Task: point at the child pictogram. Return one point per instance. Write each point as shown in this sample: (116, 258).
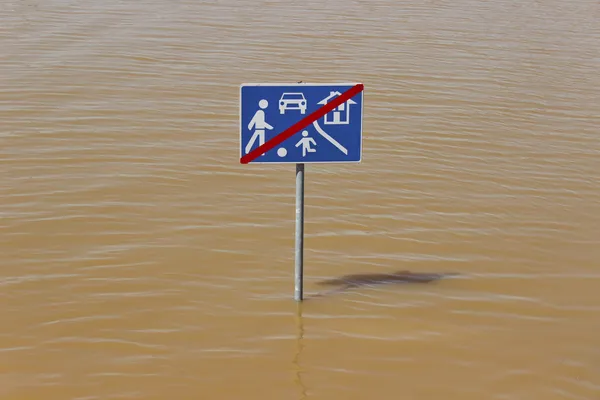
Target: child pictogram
(305, 143)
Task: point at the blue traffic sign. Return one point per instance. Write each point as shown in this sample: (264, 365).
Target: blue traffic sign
(268, 109)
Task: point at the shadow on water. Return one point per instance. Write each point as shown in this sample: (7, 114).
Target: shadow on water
(348, 282)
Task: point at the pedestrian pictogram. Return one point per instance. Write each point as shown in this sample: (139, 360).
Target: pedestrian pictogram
(258, 125)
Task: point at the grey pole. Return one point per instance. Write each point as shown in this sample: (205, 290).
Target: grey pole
(299, 272)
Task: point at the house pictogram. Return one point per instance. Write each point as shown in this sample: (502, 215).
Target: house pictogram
(339, 115)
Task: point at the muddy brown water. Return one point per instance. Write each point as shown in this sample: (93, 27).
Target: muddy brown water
(139, 259)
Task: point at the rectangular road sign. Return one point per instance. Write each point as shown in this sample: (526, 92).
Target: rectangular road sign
(301, 123)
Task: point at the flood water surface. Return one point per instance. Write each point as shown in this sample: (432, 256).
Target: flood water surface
(140, 259)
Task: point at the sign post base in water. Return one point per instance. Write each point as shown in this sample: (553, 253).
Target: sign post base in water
(299, 270)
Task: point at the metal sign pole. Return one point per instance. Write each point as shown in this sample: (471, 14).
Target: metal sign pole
(299, 271)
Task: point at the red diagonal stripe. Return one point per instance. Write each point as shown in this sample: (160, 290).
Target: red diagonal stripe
(303, 123)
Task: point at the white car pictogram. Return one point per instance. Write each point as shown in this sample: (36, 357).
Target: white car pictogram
(290, 99)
